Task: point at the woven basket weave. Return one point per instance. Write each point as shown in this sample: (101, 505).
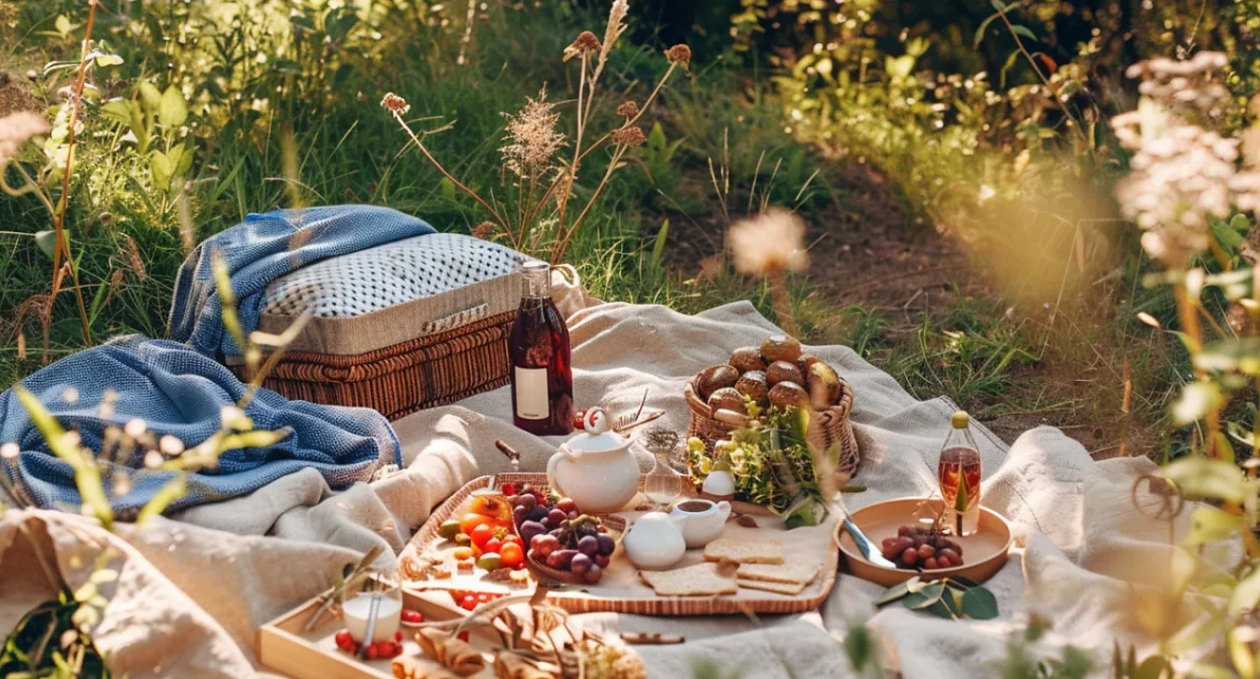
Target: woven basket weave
(422, 373)
(827, 428)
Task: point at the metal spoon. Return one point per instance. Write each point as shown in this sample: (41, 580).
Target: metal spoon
(373, 609)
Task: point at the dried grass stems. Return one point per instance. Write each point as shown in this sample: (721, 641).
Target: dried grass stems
(15, 130)
(542, 219)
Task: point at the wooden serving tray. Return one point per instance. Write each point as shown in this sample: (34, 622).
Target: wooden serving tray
(284, 645)
(621, 590)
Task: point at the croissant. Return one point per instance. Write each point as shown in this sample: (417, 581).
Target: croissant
(457, 656)
(416, 668)
(512, 666)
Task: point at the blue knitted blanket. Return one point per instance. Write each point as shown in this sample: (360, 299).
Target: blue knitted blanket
(264, 248)
(180, 392)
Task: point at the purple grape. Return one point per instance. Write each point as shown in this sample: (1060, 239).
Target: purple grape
(593, 574)
(520, 514)
(531, 528)
(588, 545)
(607, 545)
(580, 564)
(546, 523)
(602, 560)
(537, 513)
(557, 516)
(529, 502)
(561, 558)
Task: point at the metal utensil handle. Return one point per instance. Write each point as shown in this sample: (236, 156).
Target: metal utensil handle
(373, 610)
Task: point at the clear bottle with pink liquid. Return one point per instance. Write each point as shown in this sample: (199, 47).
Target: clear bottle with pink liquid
(959, 474)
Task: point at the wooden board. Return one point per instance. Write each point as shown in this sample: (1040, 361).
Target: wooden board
(284, 645)
(621, 589)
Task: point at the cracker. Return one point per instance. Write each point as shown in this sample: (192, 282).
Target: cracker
(745, 551)
(791, 573)
(699, 580)
(787, 588)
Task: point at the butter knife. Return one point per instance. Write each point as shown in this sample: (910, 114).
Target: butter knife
(869, 552)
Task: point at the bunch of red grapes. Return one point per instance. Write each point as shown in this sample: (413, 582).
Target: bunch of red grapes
(561, 537)
(922, 549)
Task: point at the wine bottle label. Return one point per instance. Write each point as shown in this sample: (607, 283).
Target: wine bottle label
(532, 402)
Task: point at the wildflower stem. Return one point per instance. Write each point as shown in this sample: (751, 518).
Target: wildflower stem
(62, 246)
(29, 186)
(1189, 317)
(635, 119)
(557, 252)
(1079, 126)
(458, 184)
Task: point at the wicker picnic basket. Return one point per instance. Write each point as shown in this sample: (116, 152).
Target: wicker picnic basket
(827, 428)
(408, 325)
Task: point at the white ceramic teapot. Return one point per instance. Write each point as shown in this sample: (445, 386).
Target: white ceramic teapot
(654, 542)
(596, 467)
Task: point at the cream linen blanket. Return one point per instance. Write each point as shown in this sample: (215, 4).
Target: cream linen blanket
(193, 591)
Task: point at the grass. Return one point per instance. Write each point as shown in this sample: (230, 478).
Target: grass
(302, 126)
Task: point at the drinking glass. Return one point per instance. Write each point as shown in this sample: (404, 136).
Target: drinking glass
(959, 474)
(662, 484)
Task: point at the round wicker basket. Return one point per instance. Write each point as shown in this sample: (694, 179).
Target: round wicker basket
(827, 428)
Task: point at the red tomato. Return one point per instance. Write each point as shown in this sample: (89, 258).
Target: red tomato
(509, 489)
(513, 540)
(468, 603)
(492, 545)
(470, 522)
(482, 535)
(511, 555)
(482, 598)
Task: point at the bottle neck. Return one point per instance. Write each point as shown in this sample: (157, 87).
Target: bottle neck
(537, 280)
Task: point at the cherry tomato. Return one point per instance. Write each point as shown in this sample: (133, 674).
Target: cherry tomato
(463, 636)
(509, 489)
(468, 603)
(482, 535)
(482, 598)
(511, 554)
(492, 545)
(471, 521)
(513, 540)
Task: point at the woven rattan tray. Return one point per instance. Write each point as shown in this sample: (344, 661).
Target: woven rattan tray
(621, 590)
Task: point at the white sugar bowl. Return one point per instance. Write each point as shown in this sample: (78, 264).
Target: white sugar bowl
(654, 542)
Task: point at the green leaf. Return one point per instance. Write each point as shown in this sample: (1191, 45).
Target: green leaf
(150, 96)
(447, 188)
(925, 597)
(62, 24)
(1240, 223)
(979, 603)
(984, 25)
(168, 493)
(961, 499)
(108, 60)
(1197, 399)
(47, 241)
(1209, 524)
(1227, 236)
(1153, 667)
(1024, 31)
(1200, 477)
(172, 112)
(656, 141)
(161, 168)
(896, 591)
(658, 245)
(118, 111)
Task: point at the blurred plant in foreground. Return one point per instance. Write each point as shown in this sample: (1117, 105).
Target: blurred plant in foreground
(539, 219)
(1186, 181)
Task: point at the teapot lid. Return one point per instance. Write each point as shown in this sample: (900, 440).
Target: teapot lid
(598, 436)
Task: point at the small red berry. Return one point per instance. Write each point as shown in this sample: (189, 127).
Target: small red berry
(398, 636)
(410, 615)
(373, 652)
(508, 489)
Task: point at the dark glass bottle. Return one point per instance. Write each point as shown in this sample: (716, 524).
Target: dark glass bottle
(542, 377)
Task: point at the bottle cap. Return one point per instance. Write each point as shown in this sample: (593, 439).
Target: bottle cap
(960, 419)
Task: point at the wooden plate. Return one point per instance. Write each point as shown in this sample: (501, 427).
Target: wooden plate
(984, 552)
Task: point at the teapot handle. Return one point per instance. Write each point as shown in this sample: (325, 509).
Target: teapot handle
(552, 464)
(724, 508)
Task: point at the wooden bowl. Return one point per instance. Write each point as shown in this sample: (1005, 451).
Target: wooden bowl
(984, 552)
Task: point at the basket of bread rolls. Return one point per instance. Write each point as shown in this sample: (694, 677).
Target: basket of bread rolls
(777, 374)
